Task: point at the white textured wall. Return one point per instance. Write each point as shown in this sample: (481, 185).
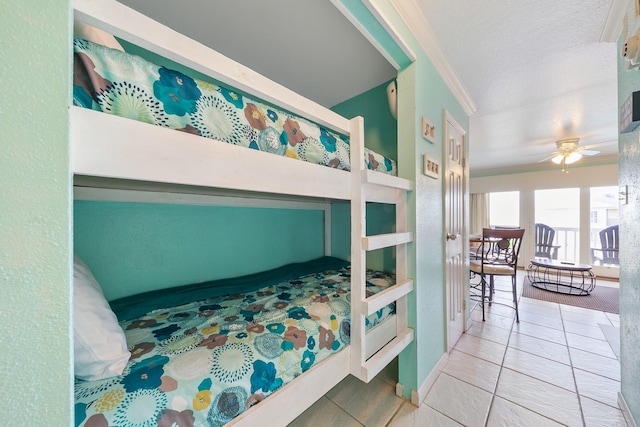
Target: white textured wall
(629, 174)
(35, 338)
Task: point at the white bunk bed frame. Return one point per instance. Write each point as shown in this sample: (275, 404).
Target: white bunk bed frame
(134, 158)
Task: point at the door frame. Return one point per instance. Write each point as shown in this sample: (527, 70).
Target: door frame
(448, 119)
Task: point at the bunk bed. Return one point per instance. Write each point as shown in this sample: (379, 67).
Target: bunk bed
(139, 159)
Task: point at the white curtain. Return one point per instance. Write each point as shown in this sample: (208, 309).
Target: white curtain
(478, 212)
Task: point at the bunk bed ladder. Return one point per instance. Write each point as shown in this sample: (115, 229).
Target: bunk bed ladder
(368, 359)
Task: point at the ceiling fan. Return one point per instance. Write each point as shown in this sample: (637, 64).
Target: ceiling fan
(568, 152)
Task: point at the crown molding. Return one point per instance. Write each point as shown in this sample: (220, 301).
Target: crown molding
(414, 18)
(613, 25)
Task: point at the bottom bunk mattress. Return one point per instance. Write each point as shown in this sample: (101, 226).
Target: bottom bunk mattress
(205, 362)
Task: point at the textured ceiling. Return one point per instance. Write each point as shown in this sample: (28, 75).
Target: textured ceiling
(536, 71)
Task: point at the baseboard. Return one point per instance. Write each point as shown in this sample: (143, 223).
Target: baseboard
(625, 411)
(417, 397)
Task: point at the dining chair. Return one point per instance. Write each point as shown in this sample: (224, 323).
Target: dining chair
(498, 256)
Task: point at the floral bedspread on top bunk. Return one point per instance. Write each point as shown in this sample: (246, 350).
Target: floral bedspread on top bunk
(205, 362)
(129, 86)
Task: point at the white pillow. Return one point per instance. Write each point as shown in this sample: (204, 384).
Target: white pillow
(100, 347)
(87, 32)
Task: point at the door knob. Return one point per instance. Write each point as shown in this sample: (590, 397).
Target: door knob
(452, 236)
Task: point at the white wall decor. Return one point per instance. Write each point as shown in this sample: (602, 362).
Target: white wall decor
(431, 167)
(428, 130)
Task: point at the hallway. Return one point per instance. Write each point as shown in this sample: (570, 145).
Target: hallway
(556, 367)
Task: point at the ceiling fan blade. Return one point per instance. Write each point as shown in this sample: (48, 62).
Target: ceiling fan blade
(600, 144)
(589, 152)
(548, 158)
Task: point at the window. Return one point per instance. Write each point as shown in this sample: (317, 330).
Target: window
(603, 209)
(504, 209)
(560, 209)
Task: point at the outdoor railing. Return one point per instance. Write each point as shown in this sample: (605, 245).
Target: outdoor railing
(568, 240)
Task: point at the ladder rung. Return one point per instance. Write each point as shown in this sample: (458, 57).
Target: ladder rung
(386, 297)
(386, 354)
(379, 178)
(371, 243)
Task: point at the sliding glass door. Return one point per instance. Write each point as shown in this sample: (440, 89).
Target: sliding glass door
(560, 210)
(578, 215)
(603, 236)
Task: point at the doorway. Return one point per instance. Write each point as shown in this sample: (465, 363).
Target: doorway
(455, 182)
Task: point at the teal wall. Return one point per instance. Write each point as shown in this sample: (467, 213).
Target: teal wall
(380, 135)
(380, 128)
(380, 220)
(423, 92)
(137, 247)
(629, 174)
(36, 364)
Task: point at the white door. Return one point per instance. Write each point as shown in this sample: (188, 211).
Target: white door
(456, 276)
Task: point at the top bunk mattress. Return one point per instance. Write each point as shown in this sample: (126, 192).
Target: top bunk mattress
(127, 85)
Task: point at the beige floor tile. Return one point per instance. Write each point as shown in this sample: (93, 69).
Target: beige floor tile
(591, 319)
(492, 319)
(595, 387)
(539, 303)
(547, 370)
(538, 396)
(372, 404)
(489, 332)
(590, 344)
(327, 411)
(613, 317)
(502, 306)
(551, 310)
(541, 332)
(504, 413)
(597, 414)
(596, 364)
(446, 397)
(409, 415)
(581, 310)
(542, 348)
(389, 373)
(584, 330)
(484, 349)
(473, 370)
(542, 320)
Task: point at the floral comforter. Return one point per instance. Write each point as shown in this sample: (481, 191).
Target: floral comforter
(205, 362)
(127, 85)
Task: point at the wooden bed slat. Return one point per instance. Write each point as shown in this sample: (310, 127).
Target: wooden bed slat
(386, 297)
(371, 243)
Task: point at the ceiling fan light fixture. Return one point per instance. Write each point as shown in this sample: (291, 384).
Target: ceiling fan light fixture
(572, 157)
(557, 159)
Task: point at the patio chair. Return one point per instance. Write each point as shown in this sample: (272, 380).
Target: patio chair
(544, 242)
(610, 247)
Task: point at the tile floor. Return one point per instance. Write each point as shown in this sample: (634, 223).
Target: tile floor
(554, 368)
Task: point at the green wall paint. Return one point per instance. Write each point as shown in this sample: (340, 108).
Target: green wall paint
(137, 247)
(380, 128)
(423, 92)
(35, 264)
(380, 220)
(629, 174)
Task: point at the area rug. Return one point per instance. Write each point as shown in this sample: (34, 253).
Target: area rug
(602, 298)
